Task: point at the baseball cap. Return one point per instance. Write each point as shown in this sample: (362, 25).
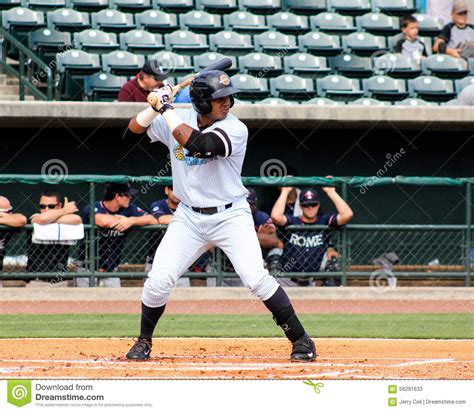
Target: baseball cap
(309, 197)
(123, 188)
(153, 68)
(252, 196)
(460, 7)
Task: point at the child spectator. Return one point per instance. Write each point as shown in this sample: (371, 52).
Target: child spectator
(410, 45)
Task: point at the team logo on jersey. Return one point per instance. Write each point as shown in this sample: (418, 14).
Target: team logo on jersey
(178, 151)
(224, 79)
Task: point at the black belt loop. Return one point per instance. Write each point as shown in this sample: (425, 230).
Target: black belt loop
(209, 210)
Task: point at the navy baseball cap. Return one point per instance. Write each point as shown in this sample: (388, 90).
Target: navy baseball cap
(121, 188)
(252, 196)
(153, 68)
(309, 197)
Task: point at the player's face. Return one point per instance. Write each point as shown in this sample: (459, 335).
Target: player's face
(460, 19)
(172, 198)
(310, 211)
(123, 200)
(48, 203)
(220, 108)
(411, 31)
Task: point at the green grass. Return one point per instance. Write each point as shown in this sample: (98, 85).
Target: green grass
(454, 325)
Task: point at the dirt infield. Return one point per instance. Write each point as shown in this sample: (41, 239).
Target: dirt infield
(207, 358)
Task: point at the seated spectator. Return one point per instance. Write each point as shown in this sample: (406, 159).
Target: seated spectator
(10, 220)
(410, 44)
(147, 80)
(115, 215)
(304, 250)
(53, 256)
(457, 37)
(440, 9)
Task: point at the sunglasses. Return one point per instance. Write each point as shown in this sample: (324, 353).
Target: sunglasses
(48, 206)
(311, 205)
(125, 194)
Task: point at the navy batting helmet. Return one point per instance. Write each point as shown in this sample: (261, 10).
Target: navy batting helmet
(209, 85)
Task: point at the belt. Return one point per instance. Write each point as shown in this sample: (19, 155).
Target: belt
(211, 210)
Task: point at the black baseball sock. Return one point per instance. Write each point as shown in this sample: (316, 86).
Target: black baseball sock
(284, 315)
(149, 319)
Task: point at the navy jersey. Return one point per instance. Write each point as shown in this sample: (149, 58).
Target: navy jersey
(304, 250)
(111, 241)
(161, 208)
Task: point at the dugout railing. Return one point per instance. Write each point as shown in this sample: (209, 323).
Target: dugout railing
(424, 251)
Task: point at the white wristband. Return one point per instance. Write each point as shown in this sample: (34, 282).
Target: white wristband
(145, 117)
(172, 119)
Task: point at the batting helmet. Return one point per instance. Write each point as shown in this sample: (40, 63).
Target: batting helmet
(210, 85)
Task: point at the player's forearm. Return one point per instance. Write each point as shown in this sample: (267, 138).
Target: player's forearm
(164, 219)
(343, 209)
(48, 217)
(70, 219)
(143, 220)
(268, 241)
(136, 128)
(278, 211)
(15, 220)
(105, 221)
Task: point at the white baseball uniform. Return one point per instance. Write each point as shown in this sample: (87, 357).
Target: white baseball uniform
(203, 183)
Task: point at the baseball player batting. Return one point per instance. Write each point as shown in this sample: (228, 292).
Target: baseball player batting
(207, 146)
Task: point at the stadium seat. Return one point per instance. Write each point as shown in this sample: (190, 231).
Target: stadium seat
(261, 64)
(350, 7)
(112, 21)
(8, 4)
(367, 101)
(73, 66)
(103, 87)
(19, 21)
(333, 23)
(251, 88)
(274, 101)
(157, 21)
(364, 44)
(245, 22)
(122, 63)
(43, 5)
(261, 6)
(46, 43)
(428, 44)
(396, 65)
(379, 24)
(186, 42)
(172, 62)
(173, 6)
(310, 7)
(431, 88)
(229, 42)
(306, 65)
(95, 41)
(429, 25)
(288, 23)
(445, 66)
(292, 87)
(239, 102)
(141, 42)
(68, 20)
(471, 64)
(339, 88)
(324, 101)
(385, 88)
(414, 102)
(351, 65)
(201, 22)
(131, 6)
(89, 5)
(274, 42)
(203, 60)
(461, 84)
(218, 6)
(320, 44)
(394, 7)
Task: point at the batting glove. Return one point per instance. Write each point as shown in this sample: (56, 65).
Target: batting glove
(160, 98)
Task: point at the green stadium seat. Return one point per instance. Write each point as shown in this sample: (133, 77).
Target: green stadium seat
(431, 88)
(113, 21)
(324, 101)
(69, 20)
(351, 65)
(238, 102)
(395, 7)
(306, 6)
(251, 88)
(131, 6)
(46, 43)
(364, 44)
(186, 42)
(157, 21)
(379, 24)
(19, 21)
(141, 42)
(367, 101)
(95, 41)
(429, 25)
(274, 101)
(333, 23)
(73, 66)
(173, 63)
(428, 44)
(122, 63)
(350, 7)
(232, 43)
(471, 64)
(8, 4)
(43, 5)
(320, 44)
(414, 102)
(173, 6)
(245, 22)
(201, 22)
(103, 87)
(462, 83)
(292, 87)
(286, 22)
(261, 64)
(261, 6)
(396, 65)
(306, 65)
(385, 88)
(89, 5)
(444, 66)
(339, 88)
(274, 42)
(218, 6)
(201, 61)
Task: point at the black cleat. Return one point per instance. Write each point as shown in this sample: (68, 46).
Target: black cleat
(140, 350)
(304, 350)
